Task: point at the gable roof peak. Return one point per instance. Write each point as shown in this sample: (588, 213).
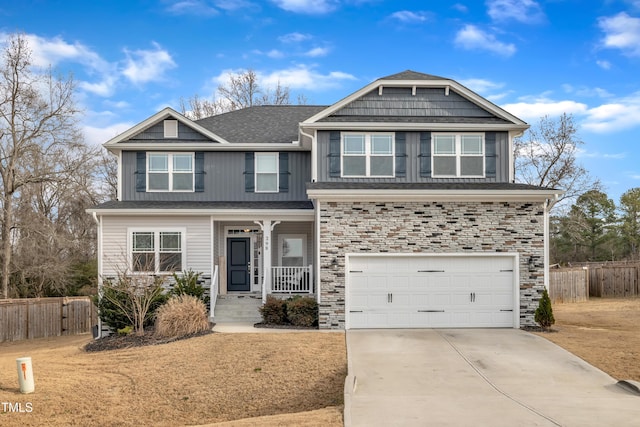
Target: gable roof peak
(412, 75)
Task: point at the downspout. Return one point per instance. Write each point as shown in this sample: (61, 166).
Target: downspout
(314, 178)
(314, 155)
(99, 254)
(546, 241)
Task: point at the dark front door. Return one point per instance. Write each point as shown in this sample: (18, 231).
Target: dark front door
(238, 260)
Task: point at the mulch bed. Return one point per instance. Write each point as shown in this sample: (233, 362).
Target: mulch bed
(116, 342)
(286, 326)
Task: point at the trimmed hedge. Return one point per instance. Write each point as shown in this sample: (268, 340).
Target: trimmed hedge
(295, 311)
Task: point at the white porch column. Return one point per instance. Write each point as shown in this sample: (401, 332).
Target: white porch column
(267, 227)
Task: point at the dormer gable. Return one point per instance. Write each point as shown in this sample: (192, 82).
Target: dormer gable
(415, 100)
(168, 129)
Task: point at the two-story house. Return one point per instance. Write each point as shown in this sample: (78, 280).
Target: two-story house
(395, 207)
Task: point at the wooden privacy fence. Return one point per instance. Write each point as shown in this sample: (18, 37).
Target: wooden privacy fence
(29, 318)
(614, 281)
(569, 284)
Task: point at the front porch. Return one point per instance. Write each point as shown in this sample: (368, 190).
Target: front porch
(260, 258)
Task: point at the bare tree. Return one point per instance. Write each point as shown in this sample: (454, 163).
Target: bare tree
(546, 157)
(39, 138)
(242, 90)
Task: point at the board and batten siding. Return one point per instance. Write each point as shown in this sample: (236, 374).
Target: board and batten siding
(413, 162)
(224, 180)
(198, 241)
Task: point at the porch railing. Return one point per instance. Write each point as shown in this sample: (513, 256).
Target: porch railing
(213, 295)
(290, 280)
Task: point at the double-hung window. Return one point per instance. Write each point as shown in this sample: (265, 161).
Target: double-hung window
(266, 172)
(458, 155)
(367, 155)
(170, 171)
(156, 251)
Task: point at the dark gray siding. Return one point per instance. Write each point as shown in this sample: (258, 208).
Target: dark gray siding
(224, 180)
(413, 162)
(156, 133)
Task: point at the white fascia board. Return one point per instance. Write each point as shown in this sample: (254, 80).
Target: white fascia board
(435, 195)
(216, 214)
(466, 127)
(162, 115)
(206, 146)
(461, 90)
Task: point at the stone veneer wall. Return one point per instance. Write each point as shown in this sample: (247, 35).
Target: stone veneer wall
(433, 227)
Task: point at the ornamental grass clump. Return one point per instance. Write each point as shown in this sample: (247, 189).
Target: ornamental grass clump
(182, 315)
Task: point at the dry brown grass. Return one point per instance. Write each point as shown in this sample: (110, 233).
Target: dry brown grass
(602, 331)
(181, 315)
(212, 378)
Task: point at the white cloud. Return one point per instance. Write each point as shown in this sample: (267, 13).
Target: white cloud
(531, 111)
(143, 66)
(615, 116)
(605, 65)
(473, 38)
(304, 77)
(460, 7)
(275, 54)
(192, 7)
(587, 92)
(524, 11)
(317, 52)
(294, 38)
(310, 7)
(409, 17)
(480, 85)
(97, 135)
(298, 77)
(621, 32)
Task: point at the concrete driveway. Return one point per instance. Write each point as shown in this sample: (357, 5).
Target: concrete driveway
(476, 377)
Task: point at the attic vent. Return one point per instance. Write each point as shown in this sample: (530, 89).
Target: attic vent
(170, 128)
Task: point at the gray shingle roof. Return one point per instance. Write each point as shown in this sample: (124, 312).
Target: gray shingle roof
(261, 124)
(136, 204)
(412, 75)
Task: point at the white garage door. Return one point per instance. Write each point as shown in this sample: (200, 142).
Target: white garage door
(431, 291)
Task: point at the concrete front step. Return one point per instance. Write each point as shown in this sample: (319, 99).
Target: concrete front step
(238, 308)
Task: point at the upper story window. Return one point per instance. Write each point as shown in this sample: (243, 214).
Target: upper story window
(458, 155)
(157, 251)
(367, 155)
(170, 172)
(266, 172)
(170, 128)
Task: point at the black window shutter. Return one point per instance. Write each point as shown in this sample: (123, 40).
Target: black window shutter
(334, 154)
(401, 154)
(199, 171)
(141, 171)
(249, 174)
(490, 154)
(283, 185)
(425, 154)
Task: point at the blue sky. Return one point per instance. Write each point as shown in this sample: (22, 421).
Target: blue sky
(133, 58)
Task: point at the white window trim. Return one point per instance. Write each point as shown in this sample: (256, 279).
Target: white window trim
(368, 155)
(170, 172)
(281, 238)
(256, 173)
(170, 128)
(458, 155)
(156, 248)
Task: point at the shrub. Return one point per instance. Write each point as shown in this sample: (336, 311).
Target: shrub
(273, 311)
(181, 315)
(187, 284)
(302, 311)
(130, 301)
(544, 312)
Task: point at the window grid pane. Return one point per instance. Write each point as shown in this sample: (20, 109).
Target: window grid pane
(170, 241)
(182, 163)
(354, 144)
(159, 162)
(471, 144)
(143, 241)
(445, 144)
(381, 144)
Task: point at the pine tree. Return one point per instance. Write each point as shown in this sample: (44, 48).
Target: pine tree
(544, 312)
